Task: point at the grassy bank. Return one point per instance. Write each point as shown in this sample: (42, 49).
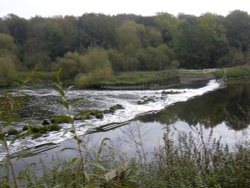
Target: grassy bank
(239, 72)
(136, 78)
(32, 78)
(166, 77)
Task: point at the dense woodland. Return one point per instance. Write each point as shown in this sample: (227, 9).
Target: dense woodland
(94, 46)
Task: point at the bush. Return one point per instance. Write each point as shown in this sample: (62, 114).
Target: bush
(7, 71)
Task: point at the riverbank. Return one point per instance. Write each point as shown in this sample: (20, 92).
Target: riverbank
(154, 80)
(171, 78)
(139, 80)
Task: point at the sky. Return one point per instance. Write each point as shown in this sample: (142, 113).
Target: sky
(49, 8)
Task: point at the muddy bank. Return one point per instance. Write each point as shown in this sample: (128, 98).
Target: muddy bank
(188, 79)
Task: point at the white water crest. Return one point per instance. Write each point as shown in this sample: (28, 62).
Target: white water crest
(104, 99)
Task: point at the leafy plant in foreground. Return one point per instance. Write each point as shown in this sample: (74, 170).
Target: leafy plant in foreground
(81, 165)
(8, 118)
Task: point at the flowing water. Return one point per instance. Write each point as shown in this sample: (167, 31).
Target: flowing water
(226, 109)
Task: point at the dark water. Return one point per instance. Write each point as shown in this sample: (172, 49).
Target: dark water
(230, 105)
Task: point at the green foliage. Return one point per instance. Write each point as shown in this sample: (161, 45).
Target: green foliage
(168, 25)
(88, 114)
(7, 71)
(62, 119)
(95, 66)
(36, 135)
(129, 36)
(9, 107)
(234, 72)
(29, 130)
(155, 58)
(17, 27)
(55, 40)
(96, 30)
(152, 37)
(194, 162)
(89, 48)
(202, 42)
(83, 80)
(1, 136)
(8, 59)
(237, 25)
(54, 127)
(234, 57)
(118, 60)
(95, 58)
(112, 109)
(12, 131)
(140, 77)
(69, 65)
(7, 45)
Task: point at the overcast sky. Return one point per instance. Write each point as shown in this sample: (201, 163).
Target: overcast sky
(49, 8)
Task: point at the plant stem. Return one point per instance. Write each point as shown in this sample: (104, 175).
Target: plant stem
(10, 163)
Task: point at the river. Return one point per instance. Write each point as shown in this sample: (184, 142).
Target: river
(206, 107)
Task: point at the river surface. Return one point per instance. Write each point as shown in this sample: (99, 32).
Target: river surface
(206, 107)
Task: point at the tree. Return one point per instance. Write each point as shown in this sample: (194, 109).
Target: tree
(168, 25)
(188, 44)
(8, 58)
(152, 37)
(95, 66)
(71, 33)
(7, 45)
(237, 25)
(55, 41)
(212, 38)
(17, 28)
(129, 37)
(96, 30)
(202, 42)
(234, 57)
(36, 51)
(118, 60)
(157, 58)
(70, 64)
(7, 70)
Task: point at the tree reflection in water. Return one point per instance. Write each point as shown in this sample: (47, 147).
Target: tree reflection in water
(230, 105)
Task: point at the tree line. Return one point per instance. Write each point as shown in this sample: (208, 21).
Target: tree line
(93, 46)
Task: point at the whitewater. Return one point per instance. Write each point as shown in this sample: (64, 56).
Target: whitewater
(101, 100)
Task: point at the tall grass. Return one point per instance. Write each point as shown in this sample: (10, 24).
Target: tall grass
(196, 162)
(139, 77)
(234, 72)
(193, 160)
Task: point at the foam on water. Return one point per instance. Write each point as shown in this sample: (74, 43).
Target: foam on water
(104, 100)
